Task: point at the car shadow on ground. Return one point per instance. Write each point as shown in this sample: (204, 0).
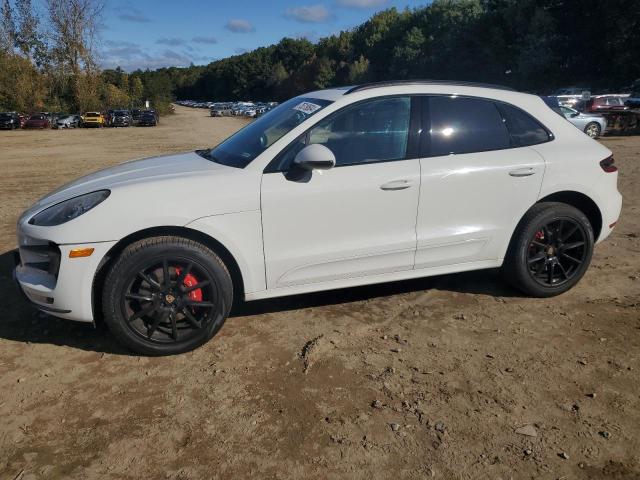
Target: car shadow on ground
(21, 322)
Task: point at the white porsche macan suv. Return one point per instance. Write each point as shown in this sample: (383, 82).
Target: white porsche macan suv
(332, 189)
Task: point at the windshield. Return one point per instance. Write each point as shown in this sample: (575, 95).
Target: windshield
(245, 145)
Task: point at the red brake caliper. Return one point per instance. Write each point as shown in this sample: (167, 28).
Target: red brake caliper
(189, 281)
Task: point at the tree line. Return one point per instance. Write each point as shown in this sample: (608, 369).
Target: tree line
(531, 45)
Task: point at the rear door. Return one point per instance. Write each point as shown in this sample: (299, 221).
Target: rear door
(478, 178)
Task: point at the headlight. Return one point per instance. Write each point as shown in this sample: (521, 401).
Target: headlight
(69, 209)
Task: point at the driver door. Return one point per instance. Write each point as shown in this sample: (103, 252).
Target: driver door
(357, 219)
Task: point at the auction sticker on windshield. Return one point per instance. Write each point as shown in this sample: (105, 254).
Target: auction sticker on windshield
(307, 107)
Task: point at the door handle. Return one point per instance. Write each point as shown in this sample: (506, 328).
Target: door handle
(522, 172)
(396, 185)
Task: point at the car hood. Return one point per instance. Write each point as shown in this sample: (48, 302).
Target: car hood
(145, 170)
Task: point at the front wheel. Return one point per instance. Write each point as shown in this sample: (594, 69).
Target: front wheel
(166, 295)
(550, 251)
(593, 129)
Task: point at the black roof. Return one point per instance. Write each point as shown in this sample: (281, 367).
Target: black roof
(392, 83)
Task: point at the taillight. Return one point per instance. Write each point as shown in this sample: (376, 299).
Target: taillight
(608, 165)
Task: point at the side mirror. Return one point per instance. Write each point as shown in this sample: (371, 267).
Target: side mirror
(315, 157)
(575, 114)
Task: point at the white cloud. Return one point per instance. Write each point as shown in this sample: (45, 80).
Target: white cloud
(130, 56)
(361, 3)
(171, 42)
(206, 40)
(239, 25)
(131, 14)
(308, 14)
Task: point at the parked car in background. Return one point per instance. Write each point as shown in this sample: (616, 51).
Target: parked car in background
(220, 110)
(148, 118)
(336, 188)
(9, 120)
(120, 118)
(135, 115)
(68, 121)
(92, 119)
(592, 124)
(108, 115)
(602, 102)
(39, 120)
(569, 95)
(55, 116)
(633, 101)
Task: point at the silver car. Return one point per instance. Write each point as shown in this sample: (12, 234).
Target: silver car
(68, 121)
(592, 124)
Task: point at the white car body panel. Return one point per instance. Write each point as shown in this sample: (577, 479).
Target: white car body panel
(241, 234)
(340, 229)
(172, 190)
(340, 224)
(476, 226)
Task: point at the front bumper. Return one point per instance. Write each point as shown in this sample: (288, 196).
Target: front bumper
(63, 290)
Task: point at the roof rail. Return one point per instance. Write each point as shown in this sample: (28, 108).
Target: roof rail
(392, 83)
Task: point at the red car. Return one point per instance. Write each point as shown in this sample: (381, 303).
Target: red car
(38, 121)
(601, 102)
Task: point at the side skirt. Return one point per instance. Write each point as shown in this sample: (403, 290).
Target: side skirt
(382, 278)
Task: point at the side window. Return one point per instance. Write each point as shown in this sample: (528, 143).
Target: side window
(465, 125)
(523, 128)
(374, 131)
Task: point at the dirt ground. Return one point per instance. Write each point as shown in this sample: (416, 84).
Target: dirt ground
(419, 379)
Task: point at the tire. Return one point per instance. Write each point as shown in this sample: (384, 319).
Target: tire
(552, 240)
(159, 320)
(593, 129)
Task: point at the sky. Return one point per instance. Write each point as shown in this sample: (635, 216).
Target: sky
(153, 34)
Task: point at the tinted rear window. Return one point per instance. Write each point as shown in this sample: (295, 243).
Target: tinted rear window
(465, 125)
(523, 128)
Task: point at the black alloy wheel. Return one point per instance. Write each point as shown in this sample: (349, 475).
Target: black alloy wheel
(556, 252)
(166, 295)
(170, 300)
(550, 250)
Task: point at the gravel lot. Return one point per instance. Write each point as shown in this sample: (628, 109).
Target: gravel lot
(419, 379)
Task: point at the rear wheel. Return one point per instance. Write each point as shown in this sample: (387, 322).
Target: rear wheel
(550, 251)
(593, 129)
(166, 295)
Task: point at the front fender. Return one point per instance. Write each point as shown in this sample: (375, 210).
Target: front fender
(241, 234)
